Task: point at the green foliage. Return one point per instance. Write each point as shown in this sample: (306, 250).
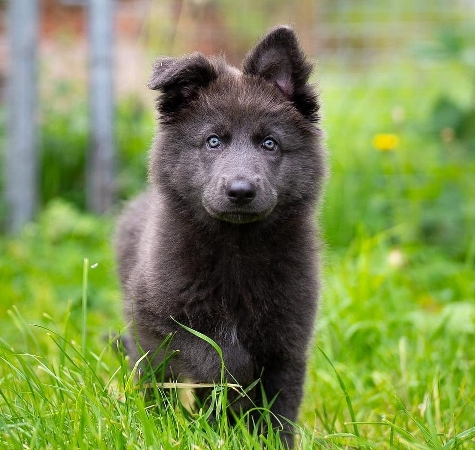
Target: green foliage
(135, 127)
(64, 145)
(421, 190)
(453, 118)
(41, 271)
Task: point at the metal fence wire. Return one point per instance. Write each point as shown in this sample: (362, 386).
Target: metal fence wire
(364, 32)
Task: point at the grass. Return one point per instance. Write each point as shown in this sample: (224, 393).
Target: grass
(392, 365)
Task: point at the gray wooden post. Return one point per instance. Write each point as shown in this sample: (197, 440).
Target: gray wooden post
(100, 170)
(21, 160)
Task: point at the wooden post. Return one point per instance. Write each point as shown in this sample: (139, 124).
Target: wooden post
(100, 170)
(21, 159)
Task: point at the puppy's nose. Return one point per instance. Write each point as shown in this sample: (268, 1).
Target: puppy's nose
(240, 192)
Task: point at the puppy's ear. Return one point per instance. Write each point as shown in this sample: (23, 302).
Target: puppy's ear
(278, 58)
(179, 80)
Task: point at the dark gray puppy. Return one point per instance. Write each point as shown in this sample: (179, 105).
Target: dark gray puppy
(224, 240)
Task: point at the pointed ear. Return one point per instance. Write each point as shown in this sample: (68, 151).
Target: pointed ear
(278, 58)
(179, 80)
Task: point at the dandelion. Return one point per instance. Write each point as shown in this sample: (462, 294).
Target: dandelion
(385, 142)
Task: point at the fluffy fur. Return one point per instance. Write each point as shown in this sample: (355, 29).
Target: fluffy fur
(224, 240)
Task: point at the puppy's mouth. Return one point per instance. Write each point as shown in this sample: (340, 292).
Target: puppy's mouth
(237, 216)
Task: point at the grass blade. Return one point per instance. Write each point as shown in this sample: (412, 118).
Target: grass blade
(84, 305)
(345, 392)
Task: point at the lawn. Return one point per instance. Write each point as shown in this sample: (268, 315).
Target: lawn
(393, 361)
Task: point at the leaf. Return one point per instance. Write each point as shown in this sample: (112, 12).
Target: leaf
(446, 114)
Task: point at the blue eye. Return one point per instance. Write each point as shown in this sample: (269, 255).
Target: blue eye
(269, 144)
(213, 142)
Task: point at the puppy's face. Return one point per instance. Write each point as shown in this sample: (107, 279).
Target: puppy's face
(236, 145)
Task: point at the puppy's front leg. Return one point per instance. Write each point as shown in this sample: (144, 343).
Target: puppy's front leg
(284, 382)
(202, 363)
(189, 356)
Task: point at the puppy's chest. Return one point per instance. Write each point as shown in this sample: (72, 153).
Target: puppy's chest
(230, 293)
(233, 306)
(224, 305)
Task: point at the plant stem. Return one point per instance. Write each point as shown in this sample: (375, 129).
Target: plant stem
(84, 305)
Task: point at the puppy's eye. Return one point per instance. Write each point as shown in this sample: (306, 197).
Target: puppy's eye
(269, 144)
(213, 142)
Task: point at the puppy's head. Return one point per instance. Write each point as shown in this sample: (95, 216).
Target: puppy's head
(237, 145)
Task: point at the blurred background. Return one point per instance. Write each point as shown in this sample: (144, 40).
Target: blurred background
(397, 83)
(401, 68)
(397, 70)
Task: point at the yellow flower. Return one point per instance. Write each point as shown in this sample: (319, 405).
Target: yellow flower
(385, 142)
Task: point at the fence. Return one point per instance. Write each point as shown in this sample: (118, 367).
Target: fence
(21, 156)
(367, 32)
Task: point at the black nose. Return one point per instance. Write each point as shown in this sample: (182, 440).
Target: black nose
(240, 192)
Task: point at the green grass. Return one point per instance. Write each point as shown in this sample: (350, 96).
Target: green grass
(392, 365)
